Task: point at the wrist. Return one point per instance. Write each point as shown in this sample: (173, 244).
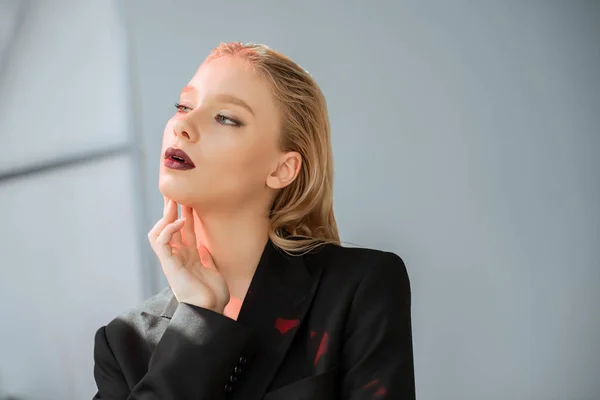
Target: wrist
(202, 304)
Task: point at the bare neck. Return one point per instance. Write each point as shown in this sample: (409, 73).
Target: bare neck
(236, 242)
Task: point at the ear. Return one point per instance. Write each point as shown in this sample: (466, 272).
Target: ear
(286, 171)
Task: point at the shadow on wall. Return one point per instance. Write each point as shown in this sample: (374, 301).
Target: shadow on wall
(4, 396)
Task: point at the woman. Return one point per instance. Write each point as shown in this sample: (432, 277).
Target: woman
(263, 302)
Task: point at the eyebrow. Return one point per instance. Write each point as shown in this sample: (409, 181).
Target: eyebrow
(225, 98)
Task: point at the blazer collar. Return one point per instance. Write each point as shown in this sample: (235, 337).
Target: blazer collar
(277, 271)
(277, 302)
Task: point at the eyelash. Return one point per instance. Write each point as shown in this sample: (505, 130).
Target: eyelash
(218, 117)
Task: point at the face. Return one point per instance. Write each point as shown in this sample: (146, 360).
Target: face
(228, 123)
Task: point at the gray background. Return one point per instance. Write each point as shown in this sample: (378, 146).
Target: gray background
(465, 135)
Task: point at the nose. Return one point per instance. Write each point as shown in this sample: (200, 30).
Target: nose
(182, 129)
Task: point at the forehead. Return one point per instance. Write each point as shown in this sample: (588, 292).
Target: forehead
(234, 76)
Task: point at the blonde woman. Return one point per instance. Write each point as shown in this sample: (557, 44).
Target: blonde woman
(263, 302)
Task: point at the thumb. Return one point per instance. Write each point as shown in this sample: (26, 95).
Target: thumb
(206, 258)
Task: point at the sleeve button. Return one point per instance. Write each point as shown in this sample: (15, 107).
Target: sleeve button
(237, 370)
(233, 379)
(228, 388)
(242, 361)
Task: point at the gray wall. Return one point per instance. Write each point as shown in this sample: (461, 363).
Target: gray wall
(465, 139)
(69, 249)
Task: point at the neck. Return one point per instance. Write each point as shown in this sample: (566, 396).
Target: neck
(236, 241)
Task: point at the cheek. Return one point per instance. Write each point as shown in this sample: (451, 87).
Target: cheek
(244, 166)
(256, 162)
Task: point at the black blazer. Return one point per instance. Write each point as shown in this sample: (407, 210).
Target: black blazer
(331, 324)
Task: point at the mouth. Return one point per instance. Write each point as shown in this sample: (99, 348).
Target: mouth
(178, 159)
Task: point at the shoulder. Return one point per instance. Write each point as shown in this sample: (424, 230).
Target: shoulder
(154, 305)
(371, 286)
(141, 317)
(359, 264)
(127, 342)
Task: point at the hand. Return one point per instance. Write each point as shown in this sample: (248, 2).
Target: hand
(190, 271)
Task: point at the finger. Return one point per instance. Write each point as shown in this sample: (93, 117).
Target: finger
(161, 246)
(157, 228)
(164, 221)
(166, 205)
(171, 210)
(189, 235)
(173, 214)
(206, 258)
(176, 238)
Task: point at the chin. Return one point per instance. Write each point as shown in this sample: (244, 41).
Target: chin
(174, 190)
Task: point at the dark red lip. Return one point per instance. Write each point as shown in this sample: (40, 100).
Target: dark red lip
(179, 156)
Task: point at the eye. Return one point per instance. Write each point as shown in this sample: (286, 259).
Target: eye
(182, 108)
(225, 120)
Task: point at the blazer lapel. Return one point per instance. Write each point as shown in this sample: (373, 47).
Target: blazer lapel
(278, 299)
(171, 306)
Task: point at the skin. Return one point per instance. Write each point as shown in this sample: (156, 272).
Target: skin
(209, 256)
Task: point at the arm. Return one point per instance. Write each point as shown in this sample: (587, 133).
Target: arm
(193, 359)
(377, 358)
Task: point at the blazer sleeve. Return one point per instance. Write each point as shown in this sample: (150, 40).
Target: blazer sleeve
(377, 355)
(193, 359)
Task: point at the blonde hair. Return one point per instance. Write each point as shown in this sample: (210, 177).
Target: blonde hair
(302, 213)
